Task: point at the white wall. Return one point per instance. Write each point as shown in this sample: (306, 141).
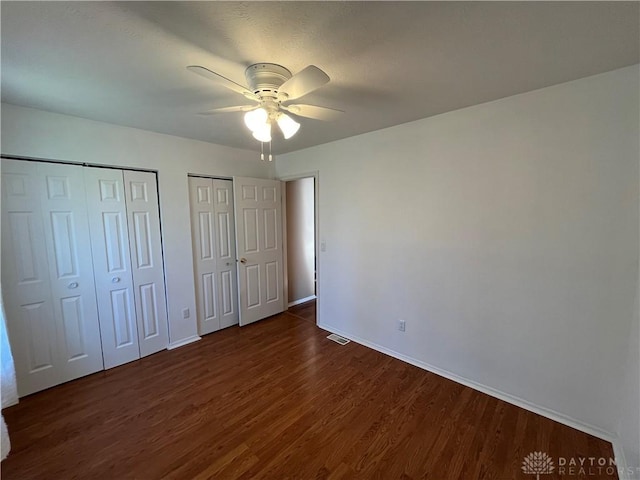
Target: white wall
(505, 234)
(629, 422)
(38, 134)
(301, 249)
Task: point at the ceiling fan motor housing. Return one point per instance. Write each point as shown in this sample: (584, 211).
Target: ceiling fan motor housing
(264, 79)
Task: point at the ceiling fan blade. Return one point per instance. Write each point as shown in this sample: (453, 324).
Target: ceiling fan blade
(236, 108)
(224, 81)
(303, 82)
(313, 111)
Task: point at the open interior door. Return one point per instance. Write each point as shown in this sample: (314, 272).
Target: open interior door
(258, 217)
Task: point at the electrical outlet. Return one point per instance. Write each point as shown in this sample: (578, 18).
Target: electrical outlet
(186, 313)
(402, 325)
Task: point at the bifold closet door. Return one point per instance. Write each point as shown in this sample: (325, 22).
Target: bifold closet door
(112, 265)
(214, 251)
(143, 219)
(47, 282)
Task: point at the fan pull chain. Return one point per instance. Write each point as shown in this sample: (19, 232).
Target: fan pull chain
(270, 157)
(261, 150)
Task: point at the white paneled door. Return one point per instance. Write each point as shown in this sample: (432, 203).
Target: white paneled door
(47, 283)
(112, 265)
(146, 260)
(214, 253)
(258, 214)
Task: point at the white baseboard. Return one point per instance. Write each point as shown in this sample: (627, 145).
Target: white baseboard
(183, 342)
(512, 399)
(302, 300)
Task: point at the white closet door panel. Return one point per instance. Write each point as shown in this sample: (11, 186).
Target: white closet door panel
(72, 281)
(25, 280)
(112, 265)
(226, 271)
(201, 199)
(143, 217)
(49, 290)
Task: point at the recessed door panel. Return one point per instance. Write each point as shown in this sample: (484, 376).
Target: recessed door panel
(41, 351)
(209, 296)
(270, 229)
(142, 236)
(58, 187)
(269, 194)
(64, 244)
(110, 189)
(272, 281)
(254, 299)
(250, 227)
(115, 248)
(224, 237)
(122, 318)
(206, 236)
(28, 266)
(228, 300)
(249, 192)
(73, 321)
(149, 302)
(223, 196)
(203, 193)
(138, 191)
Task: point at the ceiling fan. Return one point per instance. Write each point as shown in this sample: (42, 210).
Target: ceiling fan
(273, 87)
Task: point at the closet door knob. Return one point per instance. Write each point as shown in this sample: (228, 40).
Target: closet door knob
(115, 280)
(243, 260)
(73, 285)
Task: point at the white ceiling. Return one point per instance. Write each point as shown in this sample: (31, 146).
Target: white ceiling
(389, 62)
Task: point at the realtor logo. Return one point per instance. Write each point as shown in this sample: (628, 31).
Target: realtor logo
(537, 463)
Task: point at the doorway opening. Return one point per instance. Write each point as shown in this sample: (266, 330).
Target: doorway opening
(301, 238)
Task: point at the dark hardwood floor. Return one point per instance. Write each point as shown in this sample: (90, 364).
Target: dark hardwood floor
(305, 311)
(277, 400)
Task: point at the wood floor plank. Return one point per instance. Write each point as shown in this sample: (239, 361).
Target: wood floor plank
(276, 399)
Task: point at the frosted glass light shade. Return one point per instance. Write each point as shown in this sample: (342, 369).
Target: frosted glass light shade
(263, 133)
(256, 119)
(288, 125)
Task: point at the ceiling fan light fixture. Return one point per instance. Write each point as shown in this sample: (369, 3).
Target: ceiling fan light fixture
(288, 125)
(263, 133)
(272, 85)
(256, 119)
